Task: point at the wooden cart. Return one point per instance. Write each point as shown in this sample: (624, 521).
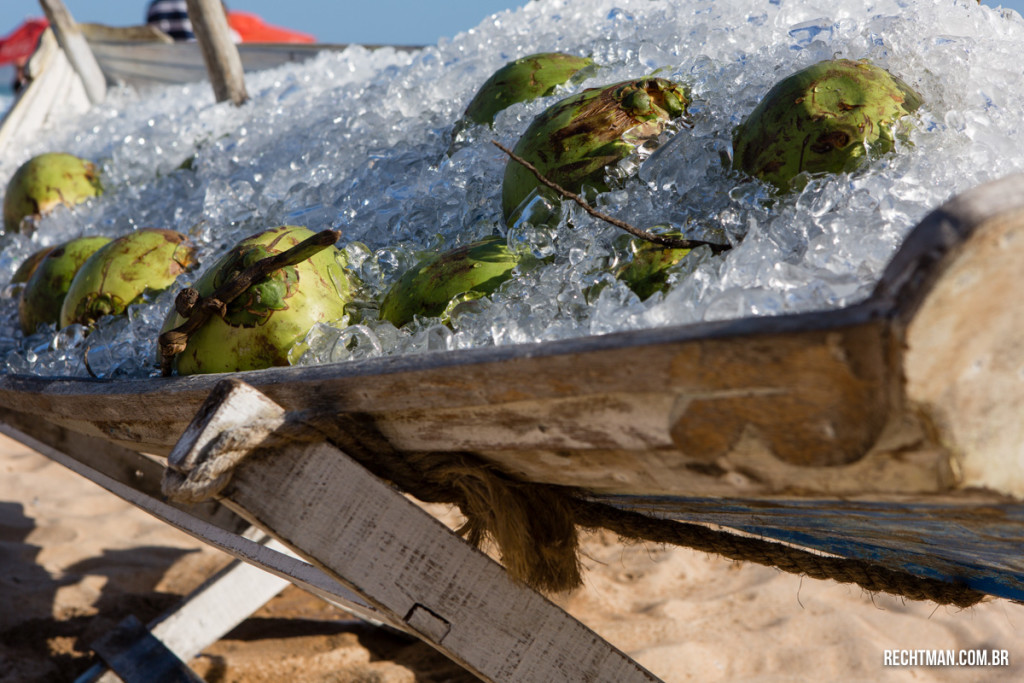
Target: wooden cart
(888, 432)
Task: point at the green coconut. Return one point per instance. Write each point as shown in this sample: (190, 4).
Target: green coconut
(123, 272)
(45, 181)
(573, 141)
(524, 79)
(827, 118)
(647, 271)
(29, 265)
(471, 271)
(268, 318)
(44, 292)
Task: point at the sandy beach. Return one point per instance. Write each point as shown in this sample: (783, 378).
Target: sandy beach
(76, 560)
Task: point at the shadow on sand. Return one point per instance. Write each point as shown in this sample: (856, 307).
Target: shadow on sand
(37, 641)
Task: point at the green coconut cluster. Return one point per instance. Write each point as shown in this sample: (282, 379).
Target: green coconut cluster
(123, 272)
(82, 280)
(525, 79)
(45, 182)
(574, 141)
(269, 317)
(48, 285)
(828, 118)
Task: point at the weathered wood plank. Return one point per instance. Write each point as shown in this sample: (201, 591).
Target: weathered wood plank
(974, 540)
(144, 57)
(145, 65)
(137, 656)
(565, 400)
(223, 65)
(266, 556)
(74, 45)
(121, 464)
(964, 361)
(339, 516)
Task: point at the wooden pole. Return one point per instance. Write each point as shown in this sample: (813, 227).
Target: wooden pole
(219, 52)
(361, 531)
(77, 50)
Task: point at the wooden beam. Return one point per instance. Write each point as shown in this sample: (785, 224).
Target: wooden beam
(76, 48)
(266, 554)
(124, 465)
(338, 516)
(220, 53)
(205, 616)
(137, 656)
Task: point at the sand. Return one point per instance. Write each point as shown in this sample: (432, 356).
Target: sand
(75, 560)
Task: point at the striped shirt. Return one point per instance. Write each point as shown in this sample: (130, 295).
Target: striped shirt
(171, 17)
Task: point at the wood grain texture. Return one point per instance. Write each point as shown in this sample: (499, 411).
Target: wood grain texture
(330, 510)
(972, 539)
(223, 65)
(965, 358)
(76, 48)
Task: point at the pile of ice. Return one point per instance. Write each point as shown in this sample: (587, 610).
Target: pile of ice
(362, 141)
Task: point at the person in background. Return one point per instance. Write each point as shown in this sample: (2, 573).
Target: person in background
(20, 74)
(171, 17)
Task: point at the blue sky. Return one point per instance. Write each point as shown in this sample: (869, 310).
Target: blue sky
(409, 22)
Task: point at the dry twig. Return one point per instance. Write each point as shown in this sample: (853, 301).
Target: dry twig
(664, 240)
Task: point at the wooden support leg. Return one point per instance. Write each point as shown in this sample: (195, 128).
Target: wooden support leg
(206, 615)
(229, 597)
(136, 655)
(333, 512)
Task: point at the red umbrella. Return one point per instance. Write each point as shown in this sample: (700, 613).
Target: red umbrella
(254, 29)
(22, 41)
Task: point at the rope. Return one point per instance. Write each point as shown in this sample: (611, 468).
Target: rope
(536, 526)
(867, 575)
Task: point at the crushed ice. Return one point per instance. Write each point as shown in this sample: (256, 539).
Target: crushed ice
(362, 141)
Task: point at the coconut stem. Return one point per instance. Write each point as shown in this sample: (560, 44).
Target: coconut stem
(197, 311)
(664, 240)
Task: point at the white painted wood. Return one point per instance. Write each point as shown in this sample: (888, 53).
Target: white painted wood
(54, 92)
(336, 514)
(76, 48)
(144, 65)
(218, 606)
